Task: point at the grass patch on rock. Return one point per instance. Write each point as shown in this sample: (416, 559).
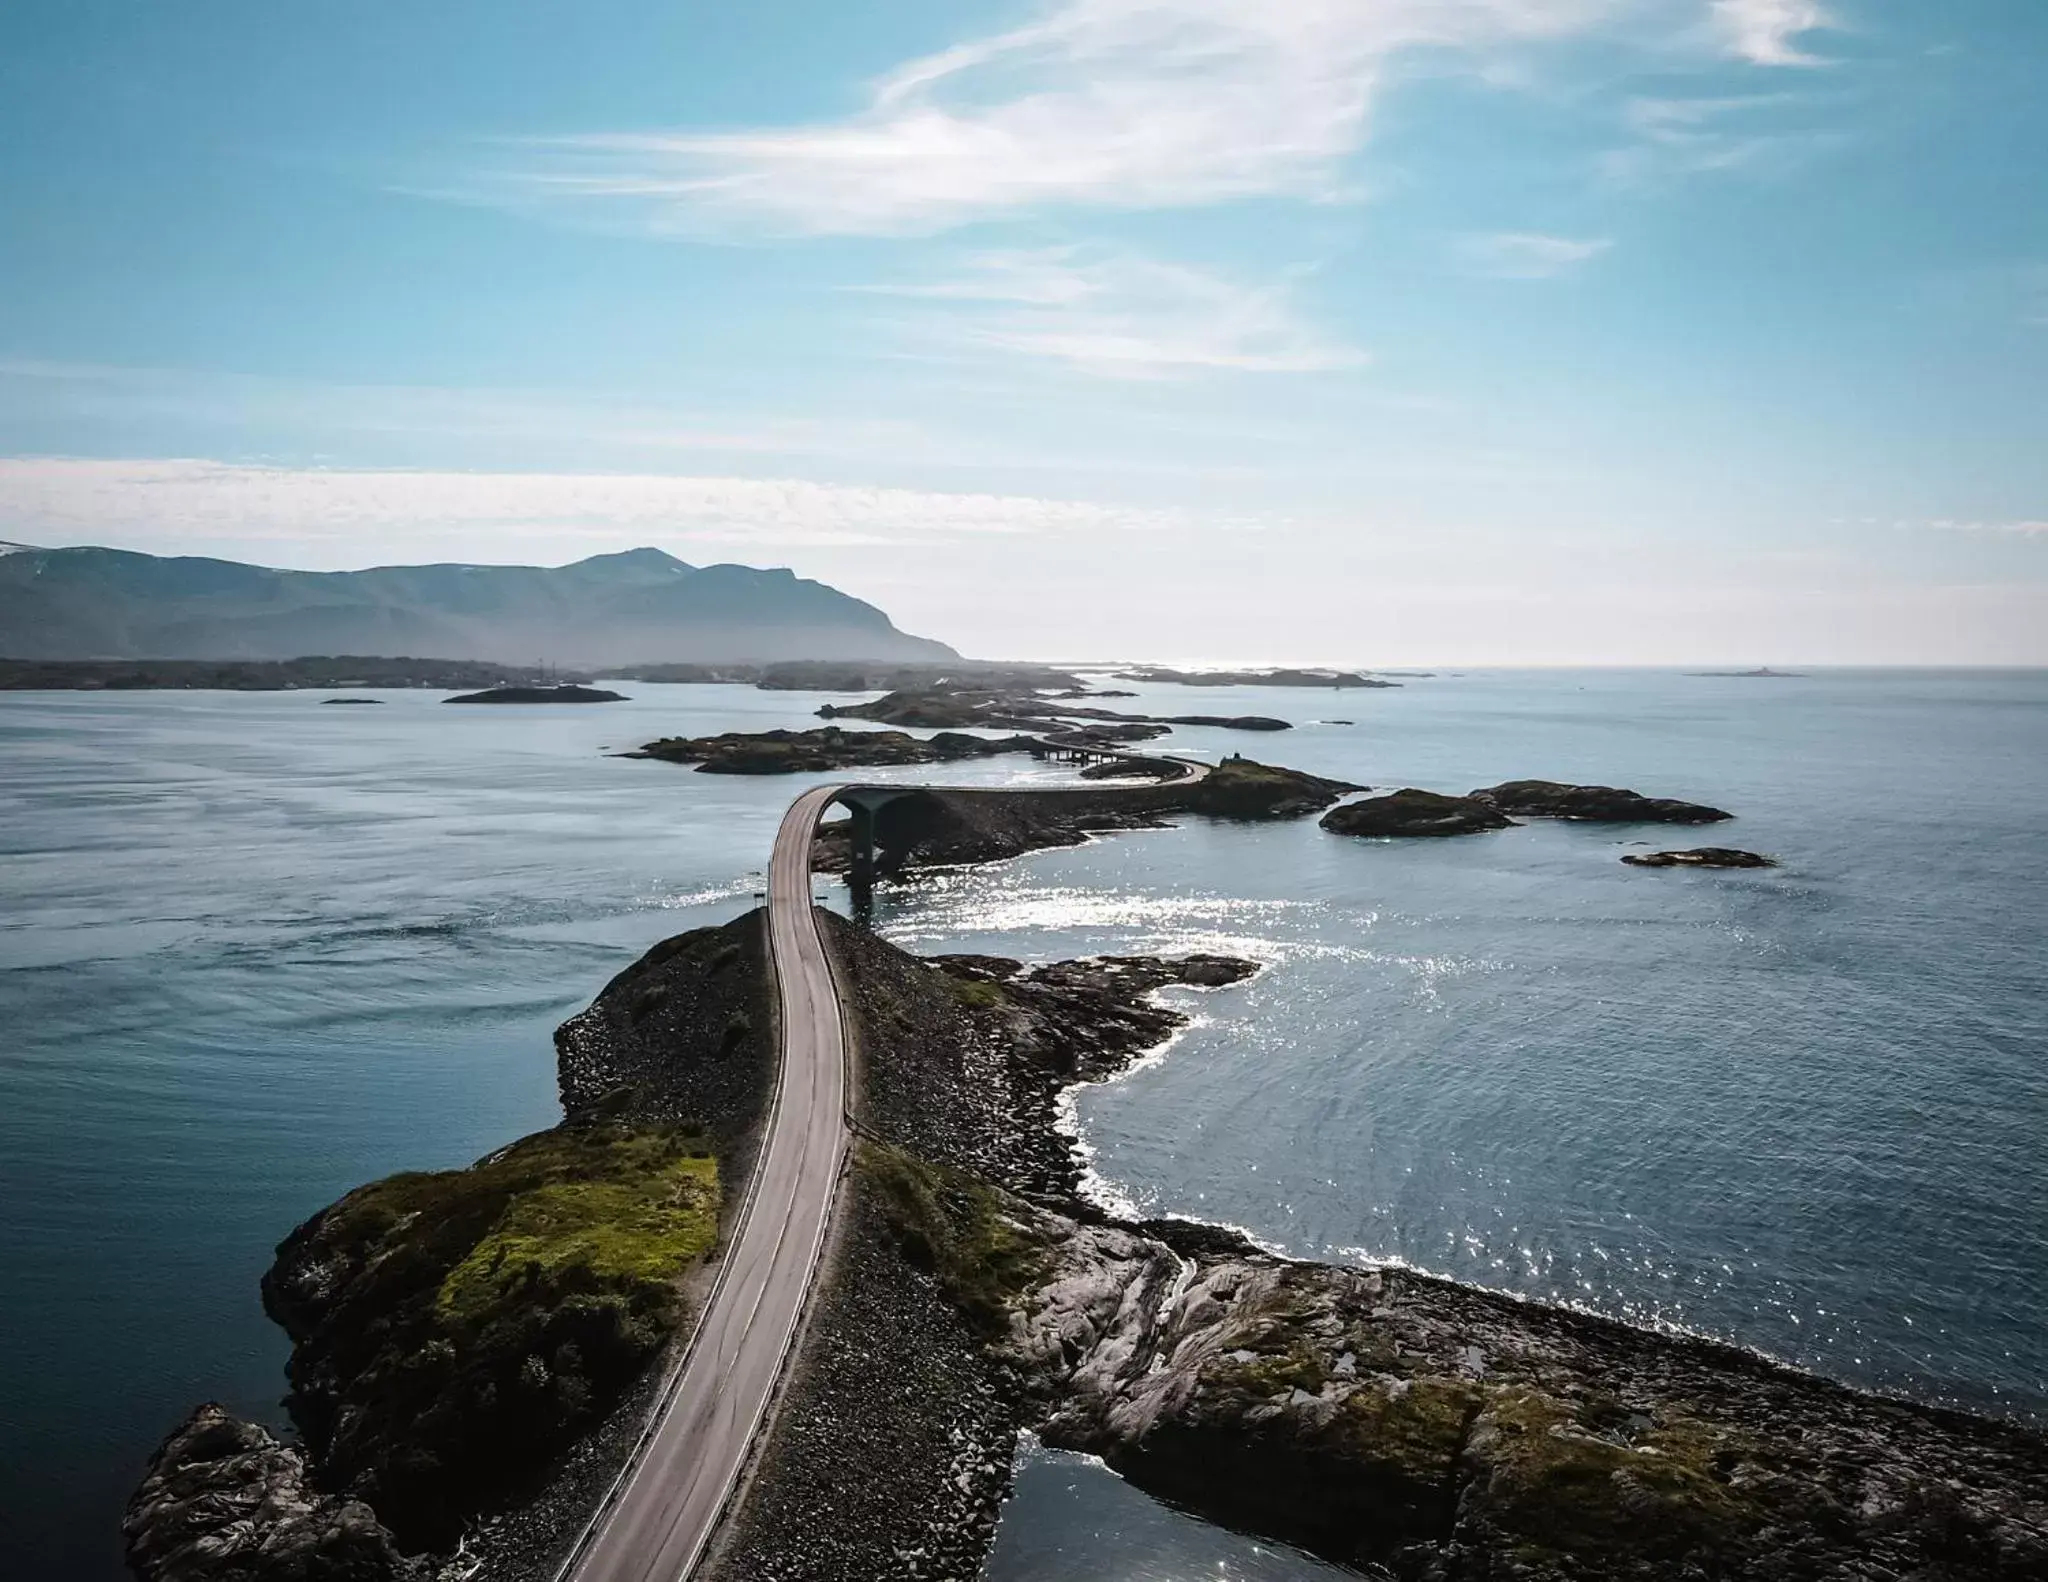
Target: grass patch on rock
(457, 1329)
(954, 1225)
(1559, 1484)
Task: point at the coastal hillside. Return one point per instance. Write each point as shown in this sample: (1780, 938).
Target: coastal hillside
(640, 606)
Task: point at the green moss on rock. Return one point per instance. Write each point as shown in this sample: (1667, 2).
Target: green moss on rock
(1564, 1480)
(455, 1330)
(953, 1224)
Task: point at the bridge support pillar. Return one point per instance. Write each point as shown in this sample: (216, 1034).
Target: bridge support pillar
(860, 875)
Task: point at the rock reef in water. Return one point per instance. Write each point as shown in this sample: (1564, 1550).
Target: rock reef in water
(956, 707)
(1228, 722)
(562, 694)
(1592, 804)
(1413, 812)
(223, 1501)
(938, 828)
(1700, 857)
(828, 747)
(1253, 678)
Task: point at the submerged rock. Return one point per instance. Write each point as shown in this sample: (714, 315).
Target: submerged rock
(223, 1501)
(1413, 812)
(1592, 804)
(1700, 857)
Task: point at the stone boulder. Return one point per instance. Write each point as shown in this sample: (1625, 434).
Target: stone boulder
(223, 1501)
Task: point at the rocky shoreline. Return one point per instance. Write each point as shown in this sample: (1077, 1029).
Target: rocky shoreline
(1396, 1423)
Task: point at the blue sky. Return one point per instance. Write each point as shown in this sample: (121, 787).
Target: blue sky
(1388, 331)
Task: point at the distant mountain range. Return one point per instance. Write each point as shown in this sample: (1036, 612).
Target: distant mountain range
(640, 606)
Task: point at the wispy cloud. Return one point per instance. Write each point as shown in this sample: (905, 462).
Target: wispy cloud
(1526, 255)
(1766, 31)
(1676, 137)
(339, 515)
(1122, 316)
(1126, 103)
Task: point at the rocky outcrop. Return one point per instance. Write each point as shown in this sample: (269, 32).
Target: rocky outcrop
(1239, 788)
(1700, 857)
(1592, 804)
(454, 1332)
(1386, 1419)
(1413, 812)
(223, 1501)
(781, 752)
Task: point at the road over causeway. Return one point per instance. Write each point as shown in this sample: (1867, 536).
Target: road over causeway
(660, 1517)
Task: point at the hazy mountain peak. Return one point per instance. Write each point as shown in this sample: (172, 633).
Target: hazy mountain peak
(639, 606)
(645, 559)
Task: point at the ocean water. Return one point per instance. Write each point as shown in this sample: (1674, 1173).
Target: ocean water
(254, 951)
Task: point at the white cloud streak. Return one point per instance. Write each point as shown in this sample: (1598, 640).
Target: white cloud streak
(1525, 255)
(1765, 32)
(1121, 316)
(145, 503)
(1124, 103)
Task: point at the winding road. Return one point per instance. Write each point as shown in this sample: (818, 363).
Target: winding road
(658, 1520)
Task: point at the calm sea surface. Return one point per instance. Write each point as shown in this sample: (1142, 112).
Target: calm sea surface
(254, 951)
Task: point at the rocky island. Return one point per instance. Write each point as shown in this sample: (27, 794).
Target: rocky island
(1413, 812)
(1591, 804)
(564, 693)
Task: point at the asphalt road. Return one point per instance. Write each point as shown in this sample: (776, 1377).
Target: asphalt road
(661, 1515)
(664, 1513)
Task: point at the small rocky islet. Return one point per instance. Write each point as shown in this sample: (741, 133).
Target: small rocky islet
(1700, 857)
(1592, 804)
(1414, 812)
